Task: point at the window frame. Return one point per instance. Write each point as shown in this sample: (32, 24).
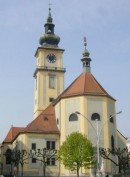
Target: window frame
(8, 156)
(111, 119)
(52, 81)
(33, 146)
(73, 117)
(51, 161)
(34, 160)
(112, 142)
(50, 144)
(95, 116)
(51, 99)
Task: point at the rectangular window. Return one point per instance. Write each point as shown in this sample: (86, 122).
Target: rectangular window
(51, 161)
(51, 81)
(50, 144)
(34, 160)
(51, 99)
(8, 156)
(33, 146)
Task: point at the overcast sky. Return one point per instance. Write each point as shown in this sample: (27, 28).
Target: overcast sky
(106, 24)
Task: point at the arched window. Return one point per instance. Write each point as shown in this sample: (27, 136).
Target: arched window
(73, 117)
(112, 142)
(95, 116)
(111, 119)
(8, 156)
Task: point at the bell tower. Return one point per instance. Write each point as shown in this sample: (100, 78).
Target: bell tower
(49, 73)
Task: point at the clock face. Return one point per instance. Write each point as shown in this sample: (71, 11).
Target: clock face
(51, 58)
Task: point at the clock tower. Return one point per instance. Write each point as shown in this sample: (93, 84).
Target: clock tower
(49, 73)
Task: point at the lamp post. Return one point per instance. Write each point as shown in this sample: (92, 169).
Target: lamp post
(98, 134)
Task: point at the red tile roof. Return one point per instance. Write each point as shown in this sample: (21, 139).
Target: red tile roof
(13, 132)
(85, 84)
(45, 123)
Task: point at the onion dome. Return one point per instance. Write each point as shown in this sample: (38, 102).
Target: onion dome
(49, 38)
(86, 59)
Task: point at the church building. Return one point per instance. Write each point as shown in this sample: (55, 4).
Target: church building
(84, 106)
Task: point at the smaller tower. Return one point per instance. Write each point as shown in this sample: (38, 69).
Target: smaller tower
(49, 73)
(49, 39)
(86, 59)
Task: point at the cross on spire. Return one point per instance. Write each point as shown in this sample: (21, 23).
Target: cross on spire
(49, 19)
(49, 6)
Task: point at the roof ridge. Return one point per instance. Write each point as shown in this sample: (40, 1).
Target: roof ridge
(102, 88)
(58, 98)
(100, 85)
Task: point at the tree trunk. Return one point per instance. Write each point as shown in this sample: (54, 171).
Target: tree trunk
(77, 171)
(22, 170)
(44, 169)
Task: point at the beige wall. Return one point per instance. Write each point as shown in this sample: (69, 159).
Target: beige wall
(6, 168)
(42, 92)
(87, 105)
(24, 141)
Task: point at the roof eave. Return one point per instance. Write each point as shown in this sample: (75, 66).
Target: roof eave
(31, 131)
(83, 94)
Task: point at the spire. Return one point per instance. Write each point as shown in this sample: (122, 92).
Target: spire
(86, 60)
(49, 39)
(49, 19)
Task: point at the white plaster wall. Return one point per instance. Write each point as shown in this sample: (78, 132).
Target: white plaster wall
(94, 105)
(40, 140)
(58, 114)
(71, 106)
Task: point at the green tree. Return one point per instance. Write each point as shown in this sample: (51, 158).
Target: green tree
(76, 152)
